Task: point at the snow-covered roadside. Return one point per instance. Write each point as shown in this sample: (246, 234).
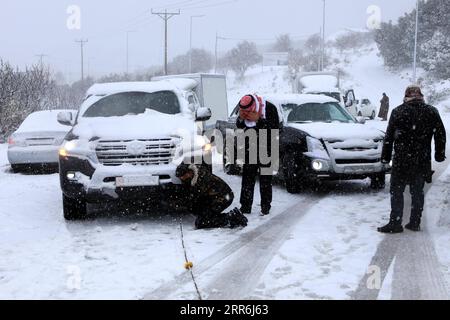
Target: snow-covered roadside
(438, 206)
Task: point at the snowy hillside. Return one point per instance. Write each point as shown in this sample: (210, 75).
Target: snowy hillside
(363, 69)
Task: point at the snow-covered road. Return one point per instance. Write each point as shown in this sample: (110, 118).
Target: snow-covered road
(314, 246)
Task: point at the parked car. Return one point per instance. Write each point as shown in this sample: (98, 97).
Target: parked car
(319, 140)
(37, 141)
(127, 141)
(367, 109)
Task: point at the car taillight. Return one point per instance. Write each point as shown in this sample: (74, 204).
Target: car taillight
(11, 141)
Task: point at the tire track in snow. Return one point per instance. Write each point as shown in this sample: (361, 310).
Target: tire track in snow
(417, 271)
(247, 258)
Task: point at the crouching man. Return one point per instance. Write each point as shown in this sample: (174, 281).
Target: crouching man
(209, 196)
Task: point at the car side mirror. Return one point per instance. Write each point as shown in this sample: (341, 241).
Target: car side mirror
(66, 118)
(203, 114)
(361, 120)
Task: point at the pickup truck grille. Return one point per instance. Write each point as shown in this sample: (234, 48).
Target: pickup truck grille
(150, 152)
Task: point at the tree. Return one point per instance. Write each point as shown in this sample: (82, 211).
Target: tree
(436, 55)
(296, 61)
(202, 61)
(396, 41)
(242, 57)
(283, 43)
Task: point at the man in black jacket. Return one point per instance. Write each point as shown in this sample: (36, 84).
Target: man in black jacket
(209, 196)
(411, 129)
(257, 114)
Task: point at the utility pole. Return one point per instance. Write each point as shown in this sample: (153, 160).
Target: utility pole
(415, 43)
(166, 16)
(190, 42)
(128, 51)
(322, 60)
(82, 42)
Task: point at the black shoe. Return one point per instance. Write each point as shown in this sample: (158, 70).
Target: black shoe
(413, 227)
(237, 219)
(245, 210)
(265, 211)
(391, 228)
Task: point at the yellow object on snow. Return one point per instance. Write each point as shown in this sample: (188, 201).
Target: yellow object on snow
(188, 265)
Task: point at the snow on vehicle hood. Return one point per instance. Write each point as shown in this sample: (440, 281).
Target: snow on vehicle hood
(151, 124)
(338, 131)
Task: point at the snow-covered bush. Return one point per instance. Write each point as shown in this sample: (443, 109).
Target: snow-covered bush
(436, 55)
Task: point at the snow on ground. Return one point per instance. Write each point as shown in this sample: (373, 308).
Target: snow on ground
(329, 251)
(115, 257)
(267, 80)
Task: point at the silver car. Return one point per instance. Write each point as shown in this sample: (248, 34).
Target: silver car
(36, 143)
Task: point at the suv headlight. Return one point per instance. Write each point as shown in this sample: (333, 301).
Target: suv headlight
(76, 147)
(314, 144)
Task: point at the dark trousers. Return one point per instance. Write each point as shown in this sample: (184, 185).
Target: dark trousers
(416, 185)
(210, 215)
(249, 175)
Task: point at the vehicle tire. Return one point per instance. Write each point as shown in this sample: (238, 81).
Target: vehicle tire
(360, 114)
(230, 169)
(378, 181)
(372, 117)
(291, 180)
(16, 168)
(74, 209)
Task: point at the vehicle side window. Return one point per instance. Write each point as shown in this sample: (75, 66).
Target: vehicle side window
(193, 102)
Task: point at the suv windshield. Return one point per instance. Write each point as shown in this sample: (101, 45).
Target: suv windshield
(134, 103)
(317, 112)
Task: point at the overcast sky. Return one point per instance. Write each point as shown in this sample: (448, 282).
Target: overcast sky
(29, 28)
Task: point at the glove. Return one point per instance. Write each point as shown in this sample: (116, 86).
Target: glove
(440, 157)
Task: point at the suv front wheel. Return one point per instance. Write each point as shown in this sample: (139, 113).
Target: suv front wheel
(74, 209)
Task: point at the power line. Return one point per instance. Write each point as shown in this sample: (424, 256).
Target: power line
(211, 5)
(166, 16)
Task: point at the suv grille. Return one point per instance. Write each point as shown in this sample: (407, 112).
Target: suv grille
(150, 152)
(356, 151)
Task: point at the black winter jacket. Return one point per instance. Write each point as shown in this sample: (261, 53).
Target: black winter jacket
(208, 192)
(411, 129)
(271, 122)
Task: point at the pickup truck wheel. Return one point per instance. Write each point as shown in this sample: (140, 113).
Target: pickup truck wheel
(372, 117)
(74, 209)
(378, 181)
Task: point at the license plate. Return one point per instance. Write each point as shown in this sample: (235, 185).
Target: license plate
(137, 181)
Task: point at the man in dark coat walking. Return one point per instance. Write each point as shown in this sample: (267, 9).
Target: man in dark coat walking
(257, 114)
(411, 129)
(384, 109)
(209, 196)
